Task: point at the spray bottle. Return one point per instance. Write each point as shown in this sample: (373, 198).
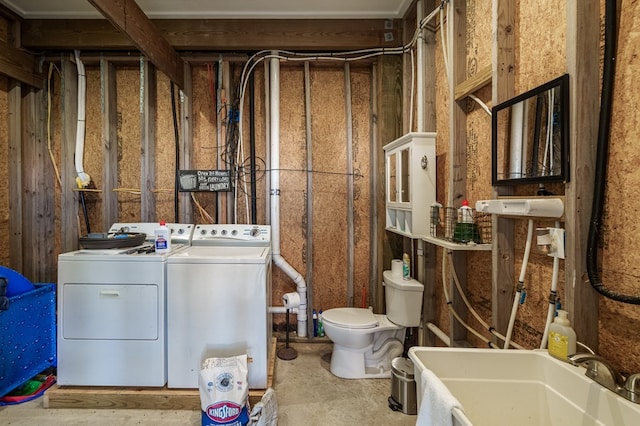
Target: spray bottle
(315, 323)
(406, 267)
(320, 326)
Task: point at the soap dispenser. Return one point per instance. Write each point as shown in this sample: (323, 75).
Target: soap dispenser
(562, 338)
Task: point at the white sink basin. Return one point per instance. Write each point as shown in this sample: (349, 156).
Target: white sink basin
(512, 387)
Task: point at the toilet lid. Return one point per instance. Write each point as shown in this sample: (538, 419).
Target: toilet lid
(350, 317)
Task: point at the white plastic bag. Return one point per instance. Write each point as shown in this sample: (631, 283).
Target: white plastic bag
(224, 391)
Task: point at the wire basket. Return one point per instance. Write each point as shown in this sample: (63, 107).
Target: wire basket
(447, 224)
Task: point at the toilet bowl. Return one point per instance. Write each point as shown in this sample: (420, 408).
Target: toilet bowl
(364, 343)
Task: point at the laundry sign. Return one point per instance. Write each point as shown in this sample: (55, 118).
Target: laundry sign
(204, 180)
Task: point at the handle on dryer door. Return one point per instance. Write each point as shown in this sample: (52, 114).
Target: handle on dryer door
(111, 293)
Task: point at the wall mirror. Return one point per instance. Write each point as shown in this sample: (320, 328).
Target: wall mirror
(530, 136)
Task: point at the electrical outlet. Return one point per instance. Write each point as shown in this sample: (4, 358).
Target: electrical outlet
(557, 242)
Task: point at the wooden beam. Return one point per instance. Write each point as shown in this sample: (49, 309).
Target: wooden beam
(127, 16)
(148, 140)
(15, 173)
(456, 31)
(472, 84)
(69, 198)
(217, 34)
(583, 55)
(184, 101)
(109, 102)
(19, 65)
(38, 188)
(503, 70)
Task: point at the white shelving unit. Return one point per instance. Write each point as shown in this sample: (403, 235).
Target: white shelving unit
(410, 183)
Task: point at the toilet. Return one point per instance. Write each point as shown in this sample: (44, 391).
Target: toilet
(364, 343)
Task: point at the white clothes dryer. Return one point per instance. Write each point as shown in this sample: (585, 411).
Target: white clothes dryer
(111, 311)
(218, 293)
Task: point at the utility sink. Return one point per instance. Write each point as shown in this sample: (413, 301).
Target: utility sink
(521, 387)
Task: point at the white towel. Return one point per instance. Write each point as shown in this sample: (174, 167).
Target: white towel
(437, 402)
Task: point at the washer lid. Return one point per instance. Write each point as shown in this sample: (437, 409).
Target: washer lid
(350, 317)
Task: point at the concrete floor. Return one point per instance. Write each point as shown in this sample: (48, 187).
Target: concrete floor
(307, 393)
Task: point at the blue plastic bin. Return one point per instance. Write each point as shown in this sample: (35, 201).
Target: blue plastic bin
(27, 336)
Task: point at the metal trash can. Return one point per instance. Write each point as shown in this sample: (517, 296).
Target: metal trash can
(403, 387)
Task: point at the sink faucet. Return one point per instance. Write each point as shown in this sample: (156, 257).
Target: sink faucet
(604, 373)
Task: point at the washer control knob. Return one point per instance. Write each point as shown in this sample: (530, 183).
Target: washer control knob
(203, 232)
(214, 232)
(224, 232)
(180, 231)
(255, 232)
(234, 232)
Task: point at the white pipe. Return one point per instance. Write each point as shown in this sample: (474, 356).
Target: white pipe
(439, 333)
(282, 310)
(474, 312)
(450, 304)
(420, 70)
(83, 178)
(278, 260)
(515, 156)
(516, 298)
(551, 310)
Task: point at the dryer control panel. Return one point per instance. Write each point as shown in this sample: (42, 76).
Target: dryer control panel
(232, 234)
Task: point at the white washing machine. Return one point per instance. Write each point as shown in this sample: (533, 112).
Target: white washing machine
(112, 311)
(217, 302)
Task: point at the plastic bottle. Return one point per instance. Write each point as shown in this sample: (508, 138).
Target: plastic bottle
(562, 338)
(465, 213)
(320, 327)
(406, 267)
(162, 238)
(315, 323)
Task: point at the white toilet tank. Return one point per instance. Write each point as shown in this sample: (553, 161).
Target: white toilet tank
(403, 299)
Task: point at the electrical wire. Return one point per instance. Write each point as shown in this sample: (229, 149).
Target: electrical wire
(52, 67)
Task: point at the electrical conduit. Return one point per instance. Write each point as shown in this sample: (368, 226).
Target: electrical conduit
(278, 260)
(82, 179)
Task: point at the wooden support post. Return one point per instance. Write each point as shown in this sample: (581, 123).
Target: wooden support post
(69, 199)
(457, 12)
(389, 126)
(503, 228)
(185, 103)
(15, 175)
(148, 140)
(109, 102)
(583, 54)
(38, 210)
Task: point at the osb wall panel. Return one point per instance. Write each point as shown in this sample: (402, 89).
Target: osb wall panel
(165, 149)
(93, 157)
(620, 323)
(361, 118)
(541, 29)
(478, 153)
(4, 172)
(204, 124)
(260, 146)
(329, 188)
(293, 164)
(128, 93)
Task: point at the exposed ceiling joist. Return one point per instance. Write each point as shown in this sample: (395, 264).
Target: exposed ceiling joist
(19, 65)
(218, 35)
(131, 20)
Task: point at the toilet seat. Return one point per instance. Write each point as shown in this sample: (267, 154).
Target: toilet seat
(352, 318)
